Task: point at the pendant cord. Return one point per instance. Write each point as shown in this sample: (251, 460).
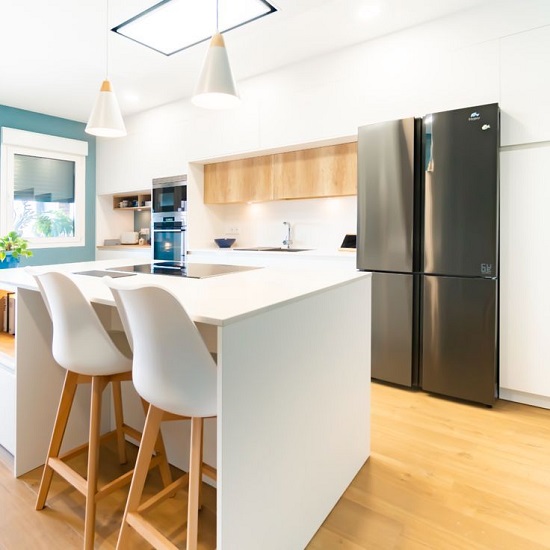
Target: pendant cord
(107, 42)
(217, 16)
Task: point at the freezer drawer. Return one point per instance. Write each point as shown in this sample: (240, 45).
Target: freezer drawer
(392, 328)
(459, 337)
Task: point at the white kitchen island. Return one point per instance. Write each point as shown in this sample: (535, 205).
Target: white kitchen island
(293, 352)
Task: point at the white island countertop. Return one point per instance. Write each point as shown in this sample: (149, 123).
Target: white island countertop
(215, 300)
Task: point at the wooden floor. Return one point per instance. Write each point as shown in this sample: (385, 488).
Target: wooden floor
(7, 343)
(442, 475)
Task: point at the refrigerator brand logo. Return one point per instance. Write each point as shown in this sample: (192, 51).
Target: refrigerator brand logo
(486, 269)
(474, 116)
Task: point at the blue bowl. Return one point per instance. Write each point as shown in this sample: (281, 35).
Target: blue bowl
(224, 243)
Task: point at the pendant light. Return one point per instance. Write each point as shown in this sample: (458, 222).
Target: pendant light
(216, 87)
(106, 119)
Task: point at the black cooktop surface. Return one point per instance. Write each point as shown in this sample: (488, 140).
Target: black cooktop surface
(194, 271)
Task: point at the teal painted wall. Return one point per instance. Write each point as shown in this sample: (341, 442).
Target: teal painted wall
(61, 127)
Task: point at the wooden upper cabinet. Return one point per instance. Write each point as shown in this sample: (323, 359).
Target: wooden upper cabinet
(238, 181)
(321, 172)
(329, 171)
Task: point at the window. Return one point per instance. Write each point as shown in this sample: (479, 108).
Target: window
(43, 188)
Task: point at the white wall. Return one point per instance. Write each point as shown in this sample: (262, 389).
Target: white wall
(497, 53)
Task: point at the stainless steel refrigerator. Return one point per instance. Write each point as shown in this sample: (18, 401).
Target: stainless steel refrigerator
(428, 229)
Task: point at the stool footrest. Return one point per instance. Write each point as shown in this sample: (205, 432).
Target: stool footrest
(148, 532)
(81, 484)
(58, 464)
(132, 432)
(84, 447)
(70, 475)
(209, 471)
(112, 486)
(162, 495)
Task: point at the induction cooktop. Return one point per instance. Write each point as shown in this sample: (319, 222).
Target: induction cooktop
(176, 269)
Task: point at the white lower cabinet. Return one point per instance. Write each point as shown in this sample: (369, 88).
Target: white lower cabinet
(7, 408)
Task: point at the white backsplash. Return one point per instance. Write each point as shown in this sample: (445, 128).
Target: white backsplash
(316, 223)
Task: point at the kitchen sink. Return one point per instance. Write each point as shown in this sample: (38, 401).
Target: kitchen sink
(272, 249)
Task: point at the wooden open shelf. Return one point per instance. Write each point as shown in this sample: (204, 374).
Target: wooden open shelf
(136, 201)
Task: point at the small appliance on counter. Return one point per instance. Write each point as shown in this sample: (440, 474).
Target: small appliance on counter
(349, 244)
(144, 233)
(129, 237)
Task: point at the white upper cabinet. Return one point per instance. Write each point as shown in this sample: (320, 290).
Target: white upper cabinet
(525, 87)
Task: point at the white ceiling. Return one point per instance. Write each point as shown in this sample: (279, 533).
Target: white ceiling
(53, 53)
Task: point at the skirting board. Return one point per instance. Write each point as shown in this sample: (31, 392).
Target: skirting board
(542, 401)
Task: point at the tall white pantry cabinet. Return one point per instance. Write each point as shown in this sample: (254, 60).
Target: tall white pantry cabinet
(525, 223)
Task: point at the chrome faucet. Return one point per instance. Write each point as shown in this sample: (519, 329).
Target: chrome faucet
(287, 242)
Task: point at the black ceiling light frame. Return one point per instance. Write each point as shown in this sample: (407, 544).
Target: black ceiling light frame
(120, 29)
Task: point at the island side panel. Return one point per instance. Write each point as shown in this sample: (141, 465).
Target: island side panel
(294, 418)
(39, 380)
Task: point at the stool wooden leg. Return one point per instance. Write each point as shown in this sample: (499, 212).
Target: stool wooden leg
(119, 421)
(145, 453)
(164, 467)
(200, 475)
(98, 385)
(62, 416)
(160, 449)
(195, 468)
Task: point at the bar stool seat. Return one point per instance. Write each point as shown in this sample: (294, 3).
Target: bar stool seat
(175, 373)
(90, 354)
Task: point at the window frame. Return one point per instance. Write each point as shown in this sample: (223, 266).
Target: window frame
(46, 146)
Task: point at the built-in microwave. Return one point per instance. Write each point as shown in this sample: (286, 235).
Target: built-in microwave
(169, 194)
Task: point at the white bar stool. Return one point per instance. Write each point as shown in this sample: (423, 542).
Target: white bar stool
(174, 372)
(90, 354)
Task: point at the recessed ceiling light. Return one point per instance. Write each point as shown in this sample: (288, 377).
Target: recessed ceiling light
(174, 25)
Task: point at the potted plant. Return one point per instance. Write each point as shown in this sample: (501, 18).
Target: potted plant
(12, 247)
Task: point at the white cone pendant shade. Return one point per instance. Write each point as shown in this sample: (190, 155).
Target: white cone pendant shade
(106, 119)
(216, 88)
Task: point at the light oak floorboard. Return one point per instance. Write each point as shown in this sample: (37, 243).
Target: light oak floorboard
(60, 525)
(442, 475)
(447, 475)
(7, 343)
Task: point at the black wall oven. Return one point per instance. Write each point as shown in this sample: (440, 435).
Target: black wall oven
(170, 194)
(169, 237)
